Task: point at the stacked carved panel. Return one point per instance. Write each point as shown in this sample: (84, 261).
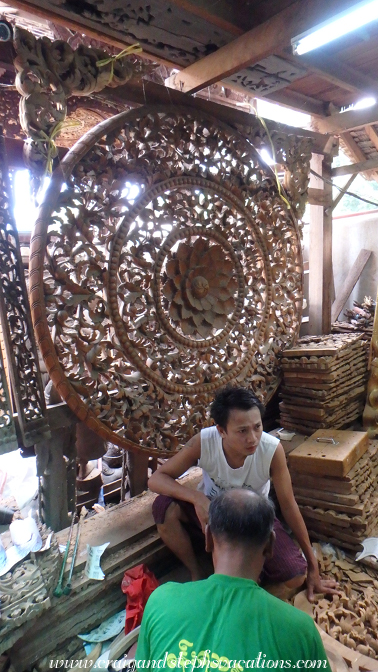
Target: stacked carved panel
(324, 382)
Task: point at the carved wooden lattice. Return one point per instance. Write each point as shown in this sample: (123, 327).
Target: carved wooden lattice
(16, 323)
(172, 267)
(25, 591)
(8, 438)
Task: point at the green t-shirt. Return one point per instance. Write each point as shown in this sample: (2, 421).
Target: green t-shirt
(225, 623)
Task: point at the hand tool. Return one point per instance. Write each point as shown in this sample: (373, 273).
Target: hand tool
(68, 587)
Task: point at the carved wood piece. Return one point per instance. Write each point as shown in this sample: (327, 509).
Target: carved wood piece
(158, 297)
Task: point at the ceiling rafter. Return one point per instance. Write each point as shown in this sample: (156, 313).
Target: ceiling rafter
(338, 73)
(261, 41)
(357, 153)
(348, 121)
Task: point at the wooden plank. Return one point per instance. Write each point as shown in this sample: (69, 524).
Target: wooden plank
(354, 509)
(326, 496)
(324, 483)
(349, 283)
(355, 168)
(125, 522)
(219, 17)
(268, 38)
(348, 121)
(332, 521)
(322, 458)
(338, 73)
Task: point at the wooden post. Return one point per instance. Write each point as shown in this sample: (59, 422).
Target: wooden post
(137, 468)
(56, 468)
(320, 252)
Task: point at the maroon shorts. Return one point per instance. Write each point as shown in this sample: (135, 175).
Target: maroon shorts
(286, 563)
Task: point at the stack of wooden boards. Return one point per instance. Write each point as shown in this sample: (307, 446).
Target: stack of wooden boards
(335, 486)
(324, 382)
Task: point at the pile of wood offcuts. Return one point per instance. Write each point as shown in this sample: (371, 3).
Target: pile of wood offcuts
(350, 618)
(324, 382)
(360, 318)
(338, 498)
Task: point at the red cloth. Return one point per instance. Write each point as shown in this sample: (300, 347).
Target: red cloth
(138, 583)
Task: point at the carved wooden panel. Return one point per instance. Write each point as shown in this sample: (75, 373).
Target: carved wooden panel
(16, 323)
(169, 31)
(269, 75)
(8, 438)
(47, 74)
(172, 267)
(25, 591)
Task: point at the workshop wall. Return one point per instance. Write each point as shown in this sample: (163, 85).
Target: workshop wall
(350, 235)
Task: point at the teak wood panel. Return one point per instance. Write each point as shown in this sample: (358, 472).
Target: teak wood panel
(326, 458)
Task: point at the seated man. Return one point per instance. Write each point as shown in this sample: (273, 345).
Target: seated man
(228, 622)
(235, 453)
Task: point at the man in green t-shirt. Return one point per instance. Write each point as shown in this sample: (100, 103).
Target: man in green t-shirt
(228, 622)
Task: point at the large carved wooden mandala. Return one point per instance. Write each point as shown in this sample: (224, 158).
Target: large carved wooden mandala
(171, 268)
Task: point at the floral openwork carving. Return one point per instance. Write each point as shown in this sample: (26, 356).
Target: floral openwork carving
(172, 267)
(17, 332)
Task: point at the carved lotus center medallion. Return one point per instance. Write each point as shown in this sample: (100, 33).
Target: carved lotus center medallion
(200, 287)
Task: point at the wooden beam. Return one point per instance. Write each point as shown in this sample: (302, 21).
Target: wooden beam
(342, 193)
(348, 121)
(353, 147)
(349, 283)
(268, 38)
(355, 150)
(297, 101)
(148, 93)
(15, 157)
(320, 253)
(372, 135)
(354, 168)
(328, 280)
(141, 92)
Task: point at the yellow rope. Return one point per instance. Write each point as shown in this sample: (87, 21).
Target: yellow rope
(132, 49)
(262, 122)
(50, 140)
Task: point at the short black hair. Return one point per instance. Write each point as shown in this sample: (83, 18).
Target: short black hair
(240, 516)
(233, 397)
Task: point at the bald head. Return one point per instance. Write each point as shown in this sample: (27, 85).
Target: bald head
(241, 517)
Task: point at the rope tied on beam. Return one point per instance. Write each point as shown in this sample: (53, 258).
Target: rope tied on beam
(279, 187)
(132, 49)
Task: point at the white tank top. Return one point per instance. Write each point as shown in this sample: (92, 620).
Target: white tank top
(217, 474)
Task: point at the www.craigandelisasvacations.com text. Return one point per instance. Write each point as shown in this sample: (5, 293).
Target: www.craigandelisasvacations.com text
(198, 663)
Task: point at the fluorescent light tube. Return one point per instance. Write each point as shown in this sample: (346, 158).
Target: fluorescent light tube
(342, 24)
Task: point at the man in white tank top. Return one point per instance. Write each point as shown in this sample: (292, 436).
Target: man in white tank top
(235, 453)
